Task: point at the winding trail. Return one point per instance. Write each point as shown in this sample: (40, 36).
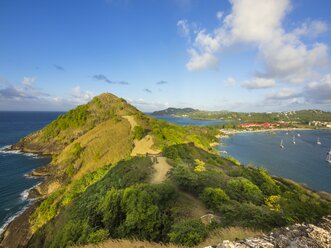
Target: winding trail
(161, 168)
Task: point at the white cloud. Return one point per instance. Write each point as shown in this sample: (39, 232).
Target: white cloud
(28, 81)
(311, 28)
(201, 61)
(80, 96)
(259, 83)
(145, 105)
(259, 23)
(255, 20)
(220, 15)
(183, 28)
(284, 93)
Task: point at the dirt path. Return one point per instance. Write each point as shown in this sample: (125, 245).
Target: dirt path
(132, 121)
(143, 146)
(161, 169)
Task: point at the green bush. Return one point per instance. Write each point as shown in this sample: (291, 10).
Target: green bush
(242, 189)
(139, 132)
(188, 232)
(214, 197)
(97, 236)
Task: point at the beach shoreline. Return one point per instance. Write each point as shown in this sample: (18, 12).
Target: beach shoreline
(227, 132)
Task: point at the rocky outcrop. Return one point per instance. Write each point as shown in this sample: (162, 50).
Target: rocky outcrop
(298, 235)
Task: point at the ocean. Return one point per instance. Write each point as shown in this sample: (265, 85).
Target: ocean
(303, 162)
(187, 121)
(14, 184)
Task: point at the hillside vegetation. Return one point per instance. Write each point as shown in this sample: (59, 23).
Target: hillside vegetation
(301, 116)
(97, 188)
(123, 204)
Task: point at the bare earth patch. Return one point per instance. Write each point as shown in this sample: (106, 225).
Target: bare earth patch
(161, 169)
(132, 121)
(143, 146)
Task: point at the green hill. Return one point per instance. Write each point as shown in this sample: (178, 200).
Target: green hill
(100, 184)
(175, 111)
(299, 117)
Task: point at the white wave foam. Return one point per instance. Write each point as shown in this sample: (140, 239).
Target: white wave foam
(5, 150)
(25, 194)
(11, 218)
(5, 147)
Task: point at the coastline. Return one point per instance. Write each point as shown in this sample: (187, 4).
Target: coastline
(227, 132)
(16, 227)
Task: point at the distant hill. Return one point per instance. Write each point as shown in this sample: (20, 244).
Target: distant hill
(174, 111)
(300, 116)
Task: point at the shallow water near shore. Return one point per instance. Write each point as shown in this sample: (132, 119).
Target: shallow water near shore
(303, 162)
(14, 165)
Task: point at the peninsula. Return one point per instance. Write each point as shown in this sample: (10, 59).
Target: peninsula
(117, 173)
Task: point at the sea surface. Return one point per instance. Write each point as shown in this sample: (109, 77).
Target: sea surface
(303, 162)
(14, 184)
(187, 121)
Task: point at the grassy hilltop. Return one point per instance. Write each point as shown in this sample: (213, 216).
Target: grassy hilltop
(100, 184)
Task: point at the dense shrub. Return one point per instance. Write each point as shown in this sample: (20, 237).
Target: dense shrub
(214, 197)
(241, 189)
(139, 132)
(188, 232)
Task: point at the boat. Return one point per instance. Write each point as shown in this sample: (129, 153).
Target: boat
(318, 142)
(298, 135)
(328, 157)
(281, 144)
(293, 140)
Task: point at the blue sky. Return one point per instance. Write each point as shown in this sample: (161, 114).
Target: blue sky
(239, 55)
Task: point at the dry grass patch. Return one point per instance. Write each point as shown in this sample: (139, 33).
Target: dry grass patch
(230, 233)
(107, 143)
(191, 207)
(130, 244)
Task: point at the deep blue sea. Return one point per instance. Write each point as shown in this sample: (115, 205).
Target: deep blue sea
(14, 185)
(303, 162)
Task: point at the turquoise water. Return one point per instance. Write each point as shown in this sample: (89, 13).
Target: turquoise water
(303, 162)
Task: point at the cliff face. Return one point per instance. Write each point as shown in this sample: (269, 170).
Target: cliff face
(298, 235)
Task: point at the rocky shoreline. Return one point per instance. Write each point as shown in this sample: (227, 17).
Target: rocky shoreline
(297, 235)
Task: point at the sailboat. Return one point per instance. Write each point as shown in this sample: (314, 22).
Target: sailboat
(328, 157)
(298, 135)
(281, 144)
(293, 140)
(318, 142)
